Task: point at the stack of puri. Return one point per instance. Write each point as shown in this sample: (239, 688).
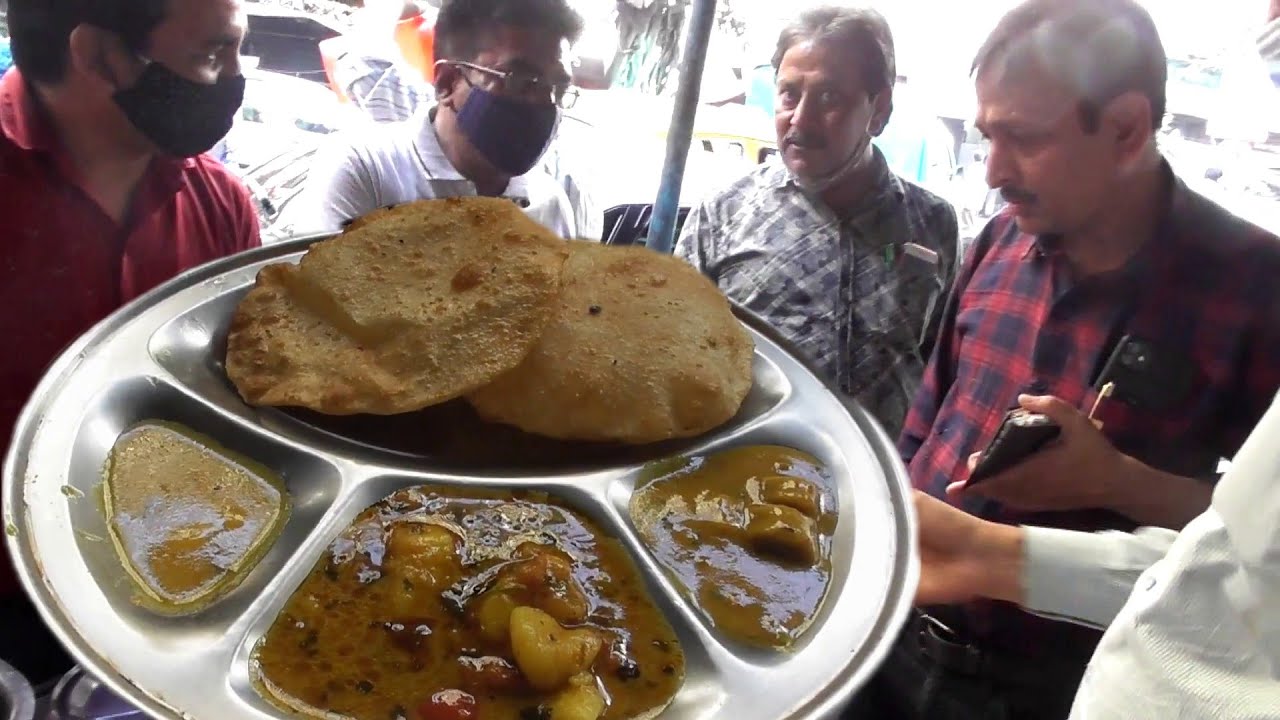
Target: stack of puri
(436, 300)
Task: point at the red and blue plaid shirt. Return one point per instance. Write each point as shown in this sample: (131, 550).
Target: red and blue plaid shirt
(1206, 288)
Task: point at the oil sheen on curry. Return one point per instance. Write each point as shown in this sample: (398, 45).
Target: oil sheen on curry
(444, 604)
(747, 534)
(188, 518)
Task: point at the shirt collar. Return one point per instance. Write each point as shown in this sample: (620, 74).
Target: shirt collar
(438, 167)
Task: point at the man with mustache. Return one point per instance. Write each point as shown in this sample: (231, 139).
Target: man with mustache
(1104, 267)
(848, 261)
(105, 192)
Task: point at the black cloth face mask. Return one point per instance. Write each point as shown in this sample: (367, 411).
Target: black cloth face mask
(182, 117)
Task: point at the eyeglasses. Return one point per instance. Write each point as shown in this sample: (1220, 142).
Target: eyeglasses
(521, 83)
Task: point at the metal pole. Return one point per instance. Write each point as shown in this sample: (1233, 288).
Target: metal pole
(662, 225)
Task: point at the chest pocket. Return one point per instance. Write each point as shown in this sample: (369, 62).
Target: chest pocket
(893, 292)
(897, 307)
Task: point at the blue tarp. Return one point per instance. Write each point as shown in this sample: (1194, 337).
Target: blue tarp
(6, 58)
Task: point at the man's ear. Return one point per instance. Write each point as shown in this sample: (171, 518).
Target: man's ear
(881, 109)
(1127, 122)
(446, 80)
(102, 56)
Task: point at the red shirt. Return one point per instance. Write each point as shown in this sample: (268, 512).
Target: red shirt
(65, 264)
(1205, 289)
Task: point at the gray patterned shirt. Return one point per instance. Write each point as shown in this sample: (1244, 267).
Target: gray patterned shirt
(856, 295)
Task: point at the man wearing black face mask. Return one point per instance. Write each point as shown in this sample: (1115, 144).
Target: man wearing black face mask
(500, 83)
(103, 192)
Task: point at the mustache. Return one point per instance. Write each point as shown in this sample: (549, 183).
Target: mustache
(804, 139)
(1017, 195)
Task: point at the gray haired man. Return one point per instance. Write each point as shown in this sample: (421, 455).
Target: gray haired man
(851, 263)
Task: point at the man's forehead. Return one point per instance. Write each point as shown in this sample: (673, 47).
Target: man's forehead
(1023, 93)
(206, 20)
(514, 48)
(819, 61)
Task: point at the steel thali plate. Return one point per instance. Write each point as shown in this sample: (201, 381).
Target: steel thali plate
(160, 358)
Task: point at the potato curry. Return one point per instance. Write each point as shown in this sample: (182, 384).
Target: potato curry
(443, 604)
(747, 533)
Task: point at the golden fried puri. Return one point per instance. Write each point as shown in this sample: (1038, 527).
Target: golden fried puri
(643, 348)
(418, 305)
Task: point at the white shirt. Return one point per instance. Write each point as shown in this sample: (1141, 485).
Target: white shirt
(380, 165)
(1199, 636)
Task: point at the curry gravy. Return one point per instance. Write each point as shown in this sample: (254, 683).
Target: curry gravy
(441, 604)
(747, 533)
(187, 518)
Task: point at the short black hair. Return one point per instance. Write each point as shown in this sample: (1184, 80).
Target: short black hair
(1110, 47)
(862, 30)
(461, 24)
(40, 30)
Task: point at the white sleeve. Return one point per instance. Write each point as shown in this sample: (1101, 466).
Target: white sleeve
(1087, 577)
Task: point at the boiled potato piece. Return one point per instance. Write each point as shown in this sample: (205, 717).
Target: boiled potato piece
(791, 492)
(547, 653)
(783, 533)
(424, 554)
(422, 560)
(582, 700)
(493, 614)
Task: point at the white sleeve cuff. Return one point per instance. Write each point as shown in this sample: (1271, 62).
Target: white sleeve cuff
(1086, 577)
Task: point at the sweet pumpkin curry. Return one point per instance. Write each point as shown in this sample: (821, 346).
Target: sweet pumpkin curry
(443, 604)
(747, 534)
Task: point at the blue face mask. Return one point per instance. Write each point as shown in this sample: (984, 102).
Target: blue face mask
(511, 134)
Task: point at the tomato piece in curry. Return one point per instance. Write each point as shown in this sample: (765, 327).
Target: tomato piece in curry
(746, 533)
(441, 604)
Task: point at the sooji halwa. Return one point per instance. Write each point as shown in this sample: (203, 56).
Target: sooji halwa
(440, 605)
(188, 518)
(439, 299)
(747, 534)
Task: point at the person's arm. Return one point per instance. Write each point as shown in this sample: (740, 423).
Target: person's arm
(1085, 577)
(696, 241)
(1080, 577)
(945, 231)
(939, 373)
(1082, 469)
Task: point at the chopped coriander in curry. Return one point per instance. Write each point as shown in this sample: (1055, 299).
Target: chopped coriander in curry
(747, 534)
(442, 604)
(188, 518)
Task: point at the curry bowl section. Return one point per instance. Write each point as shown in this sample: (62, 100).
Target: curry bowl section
(746, 534)
(507, 603)
(178, 513)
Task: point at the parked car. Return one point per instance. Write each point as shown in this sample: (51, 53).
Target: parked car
(279, 113)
